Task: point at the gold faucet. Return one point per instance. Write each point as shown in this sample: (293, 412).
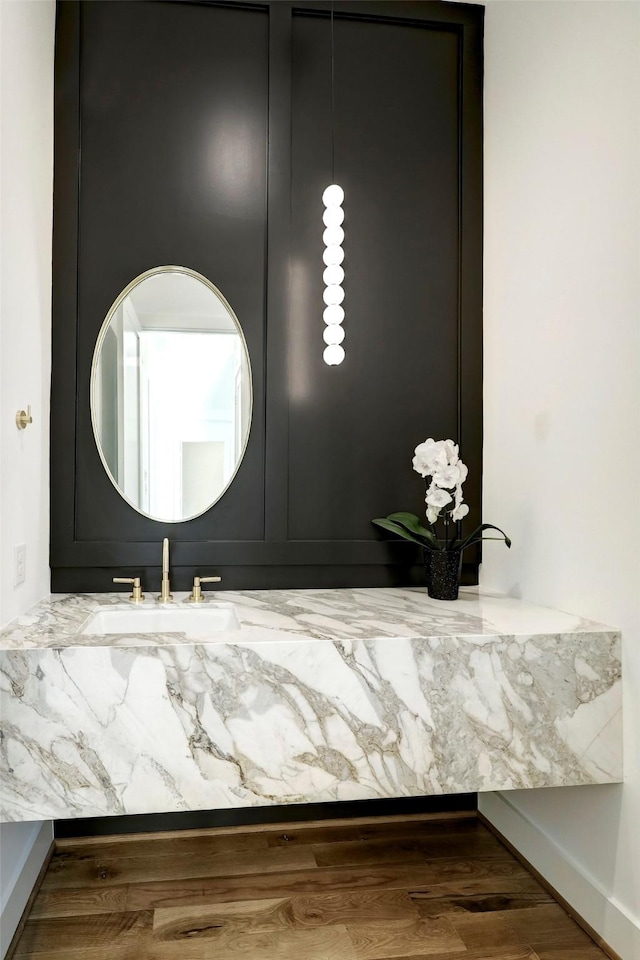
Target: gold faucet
(165, 587)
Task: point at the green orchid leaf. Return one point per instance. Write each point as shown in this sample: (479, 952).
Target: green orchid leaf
(398, 530)
(476, 536)
(411, 523)
(408, 520)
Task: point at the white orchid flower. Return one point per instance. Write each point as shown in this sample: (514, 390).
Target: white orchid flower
(448, 476)
(460, 511)
(432, 514)
(440, 462)
(437, 497)
(424, 460)
(420, 466)
(451, 450)
(434, 456)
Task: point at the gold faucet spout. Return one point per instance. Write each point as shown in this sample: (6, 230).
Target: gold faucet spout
(165, 587)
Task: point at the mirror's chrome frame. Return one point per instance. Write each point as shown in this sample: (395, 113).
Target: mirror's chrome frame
(94, 365)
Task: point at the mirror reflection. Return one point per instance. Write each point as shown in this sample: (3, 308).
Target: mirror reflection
(171, 394)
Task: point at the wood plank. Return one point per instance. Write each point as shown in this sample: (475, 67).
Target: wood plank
(482, 930)
(108, 871)
(206, 920)
(549, 925)
(491, 903)
(169, 893)
(489, 886)
(330, 943)
(500, 953)
(585, 952)
(447, 870)
(371, 830)
(79, 901)
(353, 907)
(328, 834)
(376, 940)
(122, 848)
(414, 847)
(140, 950)
(435, 830)
(61, 937)
(367, 851)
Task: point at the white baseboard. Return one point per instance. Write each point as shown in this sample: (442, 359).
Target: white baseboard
(590, 901)
(17, 900)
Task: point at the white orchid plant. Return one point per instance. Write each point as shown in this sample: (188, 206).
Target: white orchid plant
(439, 463)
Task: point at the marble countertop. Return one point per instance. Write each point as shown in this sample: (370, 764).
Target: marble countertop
(302, 615)
(319, 696)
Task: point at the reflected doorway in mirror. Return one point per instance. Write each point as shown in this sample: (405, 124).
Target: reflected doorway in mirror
(171, 394)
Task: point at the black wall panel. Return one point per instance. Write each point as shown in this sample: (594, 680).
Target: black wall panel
(352, 429)
(200, 134)
(173, 171)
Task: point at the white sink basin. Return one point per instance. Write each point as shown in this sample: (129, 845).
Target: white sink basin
(199, 620)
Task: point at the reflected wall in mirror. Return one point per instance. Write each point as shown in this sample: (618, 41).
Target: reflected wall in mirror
(171, 394)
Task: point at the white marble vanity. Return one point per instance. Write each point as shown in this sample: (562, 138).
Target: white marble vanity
(319, 695)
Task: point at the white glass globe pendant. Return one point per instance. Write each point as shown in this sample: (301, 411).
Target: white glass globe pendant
(333, 314)
(333, 334)
(333, 355)
(333, 256)
(333, 296)
(333, 276)
(333, 236)
(333, 196)
(333, 217)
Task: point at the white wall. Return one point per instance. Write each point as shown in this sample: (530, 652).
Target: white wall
(562, 389)
(25, 299)
(25, 847)
(26, 109)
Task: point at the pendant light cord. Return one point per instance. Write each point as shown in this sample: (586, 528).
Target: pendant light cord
(333, 122)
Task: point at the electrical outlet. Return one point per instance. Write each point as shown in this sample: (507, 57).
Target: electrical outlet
(20, 564)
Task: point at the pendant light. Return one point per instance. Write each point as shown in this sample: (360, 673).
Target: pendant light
(333, 257)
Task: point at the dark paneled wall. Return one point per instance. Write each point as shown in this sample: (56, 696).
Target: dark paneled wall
(199, 134)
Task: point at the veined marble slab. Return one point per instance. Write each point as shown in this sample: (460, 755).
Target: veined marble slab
(322, 695)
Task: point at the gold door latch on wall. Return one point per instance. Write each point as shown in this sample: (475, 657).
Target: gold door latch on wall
(23, 418)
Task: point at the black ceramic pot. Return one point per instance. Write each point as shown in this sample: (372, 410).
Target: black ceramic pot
(442, 570)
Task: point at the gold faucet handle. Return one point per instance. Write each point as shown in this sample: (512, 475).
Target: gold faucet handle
(196, 594)
(137, 595)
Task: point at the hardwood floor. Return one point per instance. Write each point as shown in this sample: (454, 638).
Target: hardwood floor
(438, 887)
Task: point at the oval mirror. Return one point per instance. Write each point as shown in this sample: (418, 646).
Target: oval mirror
(171, 394)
